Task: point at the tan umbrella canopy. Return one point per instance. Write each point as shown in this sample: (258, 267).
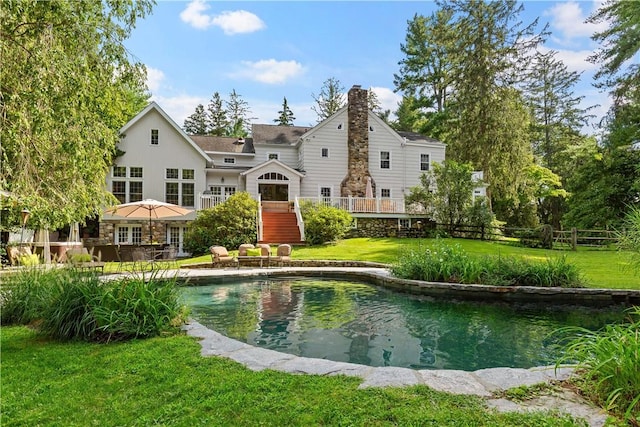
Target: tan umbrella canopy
(369, 189)
(148, 208)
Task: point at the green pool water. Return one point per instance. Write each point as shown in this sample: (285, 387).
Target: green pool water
(360, 323)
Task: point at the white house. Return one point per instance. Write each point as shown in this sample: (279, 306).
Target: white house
(353, 160)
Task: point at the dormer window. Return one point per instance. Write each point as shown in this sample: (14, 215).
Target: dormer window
(154, 137)
(272, 156)
(229, 160)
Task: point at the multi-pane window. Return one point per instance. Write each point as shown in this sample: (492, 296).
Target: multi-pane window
(404, 222)
(424, 162)
(120, 171)
(229, 160)
(135, 191)
(187, 174)
(136, 235)
(119, 189)
(229, 191)
(325, 191)
(271, 156)
(188, 198)
(171, 192)
(385, 160)
(154, 137)
(135, 172)
(385, 193)
(172, 173)
(216, 190)
(325, 152)
(129, 234)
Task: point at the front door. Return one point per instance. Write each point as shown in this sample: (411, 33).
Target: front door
(274, 192)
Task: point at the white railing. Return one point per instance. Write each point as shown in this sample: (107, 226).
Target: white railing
(360, 204)
(259, 218)
(206, 201)
(296, 208)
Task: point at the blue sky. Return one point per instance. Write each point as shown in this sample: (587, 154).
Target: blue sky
(270, 50)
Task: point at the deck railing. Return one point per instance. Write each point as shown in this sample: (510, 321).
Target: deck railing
(350, 204)
(360, 204)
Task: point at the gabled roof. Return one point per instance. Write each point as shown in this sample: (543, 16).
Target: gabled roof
(224, 144)
(154, 106)
(270, 162)
(275, 134)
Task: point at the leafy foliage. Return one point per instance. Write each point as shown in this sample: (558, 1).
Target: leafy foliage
(449, 263)
(286, 117)
(629, 236)
(330, 99)
(608, 363)
(228, 224)
(69, 304)
(67, 86)
(324, 223)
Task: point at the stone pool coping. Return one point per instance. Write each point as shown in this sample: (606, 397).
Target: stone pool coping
(379, 274)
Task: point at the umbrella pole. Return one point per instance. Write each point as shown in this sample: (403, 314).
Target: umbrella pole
(150, 232)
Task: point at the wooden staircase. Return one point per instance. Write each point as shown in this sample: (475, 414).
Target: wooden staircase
(280, 227)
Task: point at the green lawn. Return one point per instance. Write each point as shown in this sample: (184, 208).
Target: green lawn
(601, 268)
(165, 381)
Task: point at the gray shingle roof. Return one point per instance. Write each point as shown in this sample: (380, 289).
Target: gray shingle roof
(416, 137)
(274, 134)
(225, 144)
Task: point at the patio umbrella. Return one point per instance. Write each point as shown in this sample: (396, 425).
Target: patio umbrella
(369, 190)
(148, 208)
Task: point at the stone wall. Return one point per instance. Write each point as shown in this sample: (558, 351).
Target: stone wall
(355, 183)
(158, 231)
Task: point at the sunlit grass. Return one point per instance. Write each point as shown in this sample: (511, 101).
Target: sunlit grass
(600, 268)
(165, 381)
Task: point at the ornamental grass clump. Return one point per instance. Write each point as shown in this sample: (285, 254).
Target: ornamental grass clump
(444, 263)
(608, 364)
(70, 304)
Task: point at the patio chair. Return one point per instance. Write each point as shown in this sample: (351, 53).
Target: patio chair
(283, 254)
(220, 255)
(82, 259)
(242, 249)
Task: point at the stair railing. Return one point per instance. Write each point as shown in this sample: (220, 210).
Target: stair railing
(296, 208)
(259, 217)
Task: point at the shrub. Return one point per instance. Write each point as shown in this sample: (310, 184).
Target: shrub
(444, 263)
(607, 364)
(70, 304)
(228, 224)
(324, 223)
(629, 236)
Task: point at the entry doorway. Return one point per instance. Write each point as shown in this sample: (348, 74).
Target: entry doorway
(274, 192)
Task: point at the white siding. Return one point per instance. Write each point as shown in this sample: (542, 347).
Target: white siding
(172, 151)
(325, 172)
(287, 154)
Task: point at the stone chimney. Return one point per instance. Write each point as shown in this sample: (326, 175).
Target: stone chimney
(355, 183)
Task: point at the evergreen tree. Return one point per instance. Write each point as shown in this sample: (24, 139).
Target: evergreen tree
(330, 99)
(67, 86)
(286, 117)
(238, 113)
(217, 121)
(196, 124)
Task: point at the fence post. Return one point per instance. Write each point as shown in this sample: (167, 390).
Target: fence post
(574, 239)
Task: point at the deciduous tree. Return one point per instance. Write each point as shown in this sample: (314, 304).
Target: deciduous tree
(67, 86)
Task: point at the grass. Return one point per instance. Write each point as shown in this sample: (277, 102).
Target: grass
(600, 268)
(165, 381)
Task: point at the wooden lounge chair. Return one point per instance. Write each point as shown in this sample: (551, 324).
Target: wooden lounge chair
(220, 256)
(82, 259)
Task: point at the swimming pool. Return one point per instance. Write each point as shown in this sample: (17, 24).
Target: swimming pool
(351, 321)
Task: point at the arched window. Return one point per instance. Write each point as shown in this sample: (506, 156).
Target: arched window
(273, 176)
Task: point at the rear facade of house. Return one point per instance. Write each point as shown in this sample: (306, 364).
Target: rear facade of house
(280, 166)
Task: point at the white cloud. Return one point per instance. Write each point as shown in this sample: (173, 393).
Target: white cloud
(231, 22)
(179, 107)
(238, 21)
(154, 79)
(568, 19)
(575, 60)
(269, 71)
(388, 98)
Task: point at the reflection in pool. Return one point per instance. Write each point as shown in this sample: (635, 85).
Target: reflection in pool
(359, 323)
